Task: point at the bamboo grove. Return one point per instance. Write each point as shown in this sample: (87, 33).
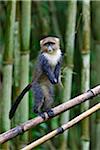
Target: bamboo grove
(22, 25)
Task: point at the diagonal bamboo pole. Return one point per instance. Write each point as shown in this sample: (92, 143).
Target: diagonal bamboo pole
(63, 128)
(57, 110)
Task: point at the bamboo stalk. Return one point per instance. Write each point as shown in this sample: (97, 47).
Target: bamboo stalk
(97, 147)
(16, 68)
(54, 18)
(0, 87)
(85, 83)
(16, 56)
(45, 29)
(16, 74)
(7, 67)
(70, 36)
(63, 128)
(95, 124)
(57, 110)
(96, 80)
(24, 60)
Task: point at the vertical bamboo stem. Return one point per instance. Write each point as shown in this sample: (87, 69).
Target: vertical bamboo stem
(7, 67)
(42, 20)
(85, 84)
(24, 60)
(95, 140)
(70, 36)
(54, 18)
(16, 71)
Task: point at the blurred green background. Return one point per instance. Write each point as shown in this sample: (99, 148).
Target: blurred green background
(22, 25)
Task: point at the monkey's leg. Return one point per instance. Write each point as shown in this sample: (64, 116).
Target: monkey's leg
(38, 95)
(49, 95)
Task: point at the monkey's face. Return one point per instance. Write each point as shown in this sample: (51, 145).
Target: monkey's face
(49, 45)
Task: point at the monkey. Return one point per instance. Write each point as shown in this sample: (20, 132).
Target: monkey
(45, 76)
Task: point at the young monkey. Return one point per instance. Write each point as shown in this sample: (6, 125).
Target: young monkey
(46, 74)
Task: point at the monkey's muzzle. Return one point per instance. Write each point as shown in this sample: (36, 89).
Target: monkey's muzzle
(50, 50)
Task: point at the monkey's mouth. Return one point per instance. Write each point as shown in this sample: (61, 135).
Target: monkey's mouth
(51, 51)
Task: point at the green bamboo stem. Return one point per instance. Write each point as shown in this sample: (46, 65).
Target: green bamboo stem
(95, 133)
(16, 55)
(97, 130)
(24, 61)
(70, 36)
(0, 78)
(54, 18)
(16, 71)
(16, 67)
(24, 76)
(25, 25)
(85, 82)
(7, 67)
(45, 29)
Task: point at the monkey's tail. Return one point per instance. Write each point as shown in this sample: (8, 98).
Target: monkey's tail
(18, 99)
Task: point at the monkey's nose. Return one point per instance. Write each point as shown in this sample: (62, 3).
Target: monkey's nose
(50, 49)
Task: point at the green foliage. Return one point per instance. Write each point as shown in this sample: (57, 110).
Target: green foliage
(48, 21)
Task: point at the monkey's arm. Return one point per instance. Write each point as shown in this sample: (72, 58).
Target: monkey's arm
(58, 69)
(47, 69)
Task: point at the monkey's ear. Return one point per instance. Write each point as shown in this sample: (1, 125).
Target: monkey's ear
(57, 40)
(41, 41)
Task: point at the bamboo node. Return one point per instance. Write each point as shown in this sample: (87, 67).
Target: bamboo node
(69, 66)
(85, 51)
(97, 41)
(93, 94)
(20, 129)
(24, 52)
(86, 139)
(8, 62)
(60, 130)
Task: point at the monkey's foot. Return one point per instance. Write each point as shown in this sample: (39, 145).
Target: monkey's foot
(50, 113)
(41, 114)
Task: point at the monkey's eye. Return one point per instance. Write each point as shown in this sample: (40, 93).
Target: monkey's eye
(49, 43)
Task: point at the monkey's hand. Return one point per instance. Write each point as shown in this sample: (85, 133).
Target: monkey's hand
(57, 71)
(47, 69)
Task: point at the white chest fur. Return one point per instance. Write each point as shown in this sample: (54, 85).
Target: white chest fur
(53, 58)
